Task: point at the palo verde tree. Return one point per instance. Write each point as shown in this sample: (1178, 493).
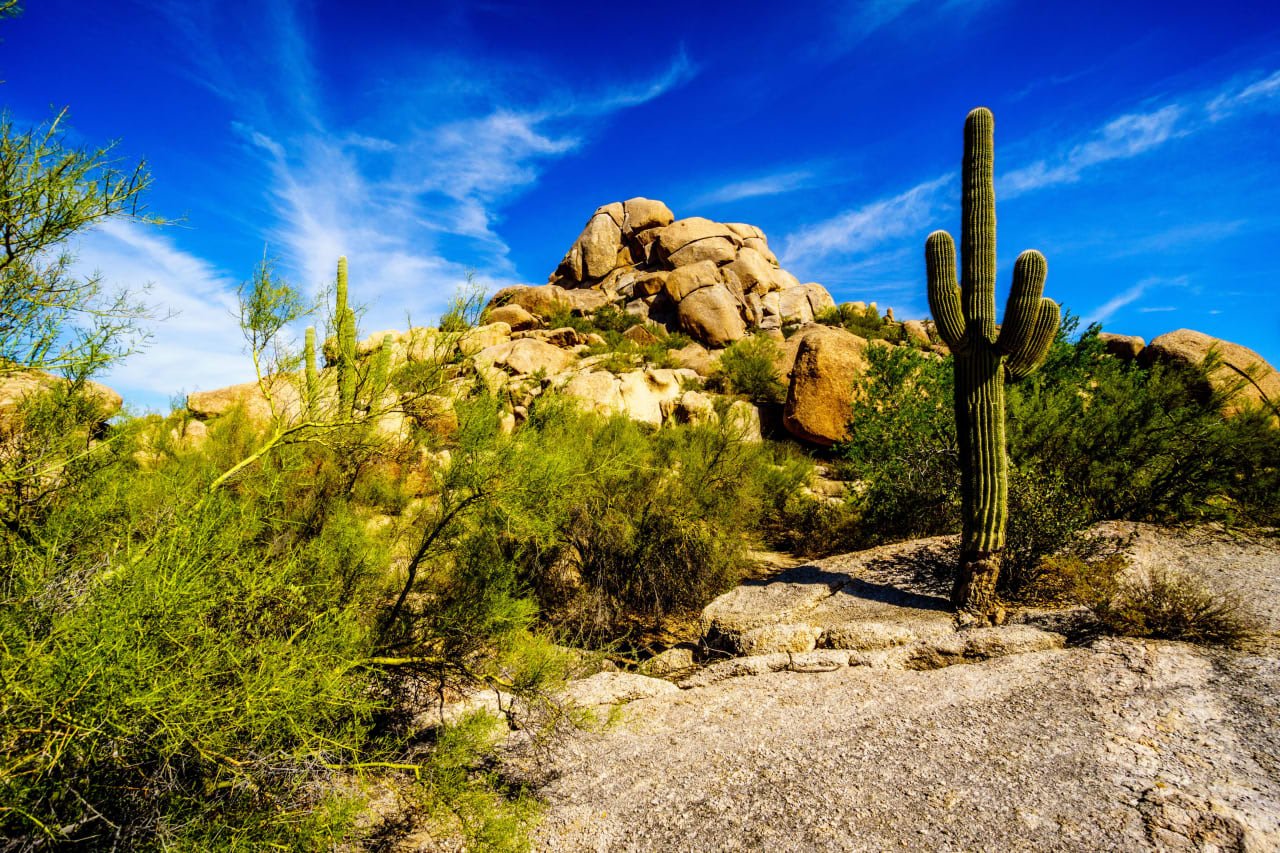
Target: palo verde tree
(986, 356)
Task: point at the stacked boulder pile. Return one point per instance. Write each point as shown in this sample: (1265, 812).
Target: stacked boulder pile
(716, 282)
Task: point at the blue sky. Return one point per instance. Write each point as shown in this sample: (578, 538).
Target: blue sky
(1137, 146)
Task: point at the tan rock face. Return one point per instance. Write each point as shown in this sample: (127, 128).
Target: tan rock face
(643, 213)
(754, 271)
(16, 386)
(710, 314)
(1241, 367)
(685, 280)
(601, 241)
(527, 356)
(916, 332)
(794, 307)
(821, 391)
(541, 301)
(515, 316)
(1124, 347)
(285, 394)
(718, 250)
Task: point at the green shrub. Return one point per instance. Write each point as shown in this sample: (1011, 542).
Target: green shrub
(749, 367)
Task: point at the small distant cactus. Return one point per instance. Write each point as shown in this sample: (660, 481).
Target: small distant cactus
(985, 356)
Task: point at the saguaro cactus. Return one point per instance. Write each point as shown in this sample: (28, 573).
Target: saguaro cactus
(312, 387)
(345, 333)
(985, 356)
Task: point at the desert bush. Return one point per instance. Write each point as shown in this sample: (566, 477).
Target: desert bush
(749, 367)
(866, 323)
(1159, 603)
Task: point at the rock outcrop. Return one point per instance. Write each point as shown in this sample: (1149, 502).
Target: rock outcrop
(715, 281)
(1238, 368)
(17, 386)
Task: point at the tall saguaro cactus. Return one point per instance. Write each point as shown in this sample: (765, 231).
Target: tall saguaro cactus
(985, 356)
(344, 320)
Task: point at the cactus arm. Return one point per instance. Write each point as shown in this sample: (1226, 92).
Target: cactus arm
(1027, 357)
(309, 365)
(978, 214)
(344, 321)
(944, 293)
(1020, 313)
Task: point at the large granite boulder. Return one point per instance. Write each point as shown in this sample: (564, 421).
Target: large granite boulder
(1239, 369)
(821, 390)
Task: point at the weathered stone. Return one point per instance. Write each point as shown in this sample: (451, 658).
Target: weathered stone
(819, 299)
(672, 661)
(744, 232)
(649, 283)
(515, 316)
(794, 307)
(1123, 347)
(483, 337)
(744, 419)
(760, 245)
(1240, 368)
(683, 232)
(821, 391)
(685, 280)
(527, 356)
(718, 250)
(711, 315)
(755, 273)
(644, 392)
(596, 391)
(641, 213)
(640, 335)
(615, 688)
(600, 242)
(691, 407)
(541, 301)
(698, 358)
(916, 332)
(18, 385)
(586, 301)
(769, 639)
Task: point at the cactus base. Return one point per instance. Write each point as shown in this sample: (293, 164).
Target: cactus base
(974, 592)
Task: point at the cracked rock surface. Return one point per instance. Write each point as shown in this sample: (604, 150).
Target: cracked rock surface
(1024, 745)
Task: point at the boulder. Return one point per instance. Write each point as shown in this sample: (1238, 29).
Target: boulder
(711, 315)
(685, 280)
(515, 316)
(670, 662)
(18, 385)
(744, 419)
(483, 337)
(600, 243)
(527, 356)
(642, 213)
(821, 390)
(691, 407)
(697, 358)
(819, 299)
(596, 391)
(285, 394)
(1240, 367)
(761, 245)
(1123, 347)
(755, 273)
(541, 301)
(644, 392)
(718, 250)
(640, 335)
(794, 307)
(916, 332)
(683, 233)
(649, 283)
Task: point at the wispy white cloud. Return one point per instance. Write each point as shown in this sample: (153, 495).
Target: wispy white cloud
(861, 18)
(1263, 93)
(1125, 136)
(764, 185)
(864, 228)
(196, 340)
(1108, 309)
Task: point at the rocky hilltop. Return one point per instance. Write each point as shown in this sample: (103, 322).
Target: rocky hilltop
(715, 281)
